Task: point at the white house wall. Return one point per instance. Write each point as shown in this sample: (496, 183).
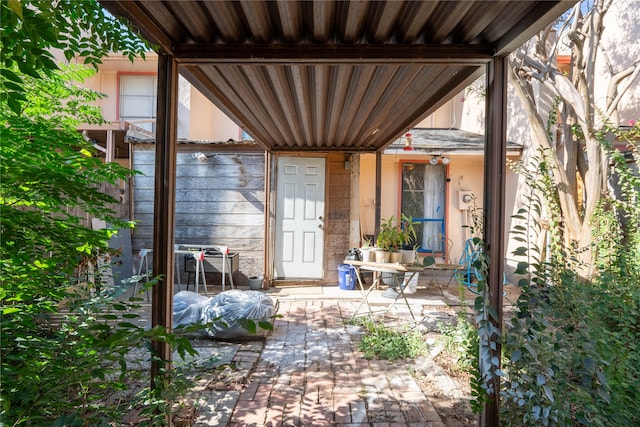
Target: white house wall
(447, 116)
(621, 41)
(210, 123)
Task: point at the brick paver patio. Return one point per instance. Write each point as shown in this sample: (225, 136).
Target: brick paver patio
(310, 373)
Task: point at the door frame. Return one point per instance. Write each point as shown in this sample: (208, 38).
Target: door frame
(272, 186)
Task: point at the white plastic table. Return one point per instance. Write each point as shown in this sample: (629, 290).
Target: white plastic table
(226, 262)
(198, 255)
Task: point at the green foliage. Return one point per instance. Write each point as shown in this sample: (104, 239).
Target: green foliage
(73, 371)
(482, 354)
(48, 170)
(385, 343)
(485, 377)
(394, 236)
(571, 352)
(68, 341)
(31, 29)
(466, 335)
(461, 339)
(389, 238)
(252, 327)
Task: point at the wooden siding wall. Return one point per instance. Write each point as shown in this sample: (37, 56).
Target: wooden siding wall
(119, 192)
(218, 202)
(338, 218)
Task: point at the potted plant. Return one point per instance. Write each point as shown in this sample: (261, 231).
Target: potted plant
(396, 236)
(366, 249)
(408, 235)
(389, 239)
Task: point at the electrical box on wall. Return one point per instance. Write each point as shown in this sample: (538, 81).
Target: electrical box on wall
(465, 199)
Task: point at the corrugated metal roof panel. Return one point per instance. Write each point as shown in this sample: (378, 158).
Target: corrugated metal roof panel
(333, 75)
(444, 141)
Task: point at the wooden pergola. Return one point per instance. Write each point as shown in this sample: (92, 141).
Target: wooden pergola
(324, 75)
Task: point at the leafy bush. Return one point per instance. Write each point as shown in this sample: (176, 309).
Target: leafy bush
(67, 341)
(572, 349)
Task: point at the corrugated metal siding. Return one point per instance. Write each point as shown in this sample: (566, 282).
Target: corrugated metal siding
(220, 201)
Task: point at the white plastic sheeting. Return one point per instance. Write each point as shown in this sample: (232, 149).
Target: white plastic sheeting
(221, 313)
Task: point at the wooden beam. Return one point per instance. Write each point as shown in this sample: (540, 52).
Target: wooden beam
(469, 54)
(494, 206)
(355, 234)
(164, 210)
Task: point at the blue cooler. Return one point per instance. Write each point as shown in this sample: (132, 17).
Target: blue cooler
(346, 277)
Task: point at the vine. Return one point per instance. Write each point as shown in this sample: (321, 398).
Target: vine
(489, 335)
(485, 365)
(526, 381)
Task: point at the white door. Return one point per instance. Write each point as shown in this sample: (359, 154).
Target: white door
(299, 218)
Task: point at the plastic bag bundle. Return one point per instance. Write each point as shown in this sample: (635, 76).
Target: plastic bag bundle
(223, 311)
(187, 308)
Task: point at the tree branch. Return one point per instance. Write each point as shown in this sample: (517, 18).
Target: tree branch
(616, 90)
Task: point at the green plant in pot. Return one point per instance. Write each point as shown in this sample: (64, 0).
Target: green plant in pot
(392, 237)
(409, 239)
(389, 238)
(366, 249)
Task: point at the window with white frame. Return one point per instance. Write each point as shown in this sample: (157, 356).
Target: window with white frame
(423, 199)
(138, 99)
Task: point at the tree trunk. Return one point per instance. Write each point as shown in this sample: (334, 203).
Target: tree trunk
(573, 221)
(580, 164)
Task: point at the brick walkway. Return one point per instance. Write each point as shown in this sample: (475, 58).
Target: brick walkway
(310, 373)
